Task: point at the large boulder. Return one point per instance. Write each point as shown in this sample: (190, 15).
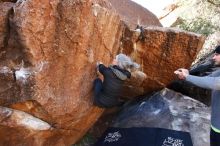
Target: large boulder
(133, 13)
(49, 59)
(160, 51)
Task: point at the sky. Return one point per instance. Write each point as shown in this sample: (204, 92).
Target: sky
(155, 6)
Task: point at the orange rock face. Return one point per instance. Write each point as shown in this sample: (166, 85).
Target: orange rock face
(49, 51)
(56, 45)
(160, 52)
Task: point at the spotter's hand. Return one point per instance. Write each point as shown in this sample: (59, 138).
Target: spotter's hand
(182, 73)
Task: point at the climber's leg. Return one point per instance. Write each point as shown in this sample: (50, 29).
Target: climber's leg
(97, 84)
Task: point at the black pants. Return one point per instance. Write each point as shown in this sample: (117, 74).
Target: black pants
(214, 138)
(97, 84)
(101, 101)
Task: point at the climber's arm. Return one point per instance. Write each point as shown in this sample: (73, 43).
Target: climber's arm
(101, 68)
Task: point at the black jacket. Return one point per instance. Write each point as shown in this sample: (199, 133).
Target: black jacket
(112, 85)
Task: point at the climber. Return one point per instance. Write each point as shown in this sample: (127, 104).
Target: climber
(212, 82)
(107, 92)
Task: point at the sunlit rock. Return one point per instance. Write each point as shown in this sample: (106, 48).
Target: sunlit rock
(48, 66)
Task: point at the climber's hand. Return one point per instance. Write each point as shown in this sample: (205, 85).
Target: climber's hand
(97, 66)
(98, 63)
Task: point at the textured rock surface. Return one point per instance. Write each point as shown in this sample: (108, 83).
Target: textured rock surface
(48, 60)
(50, 57)
(4, 25)
(134, 14)
(7, 82)
(160, 52)
(178, 112)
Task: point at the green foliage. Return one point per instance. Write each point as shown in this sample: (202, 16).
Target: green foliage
(198, 25)
(199, 16)
(87, 140)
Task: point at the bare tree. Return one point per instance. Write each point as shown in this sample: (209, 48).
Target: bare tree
(214, 2)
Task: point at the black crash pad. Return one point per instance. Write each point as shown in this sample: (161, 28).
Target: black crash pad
(139, 136)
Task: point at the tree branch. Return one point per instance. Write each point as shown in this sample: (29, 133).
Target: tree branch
(214, 3)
